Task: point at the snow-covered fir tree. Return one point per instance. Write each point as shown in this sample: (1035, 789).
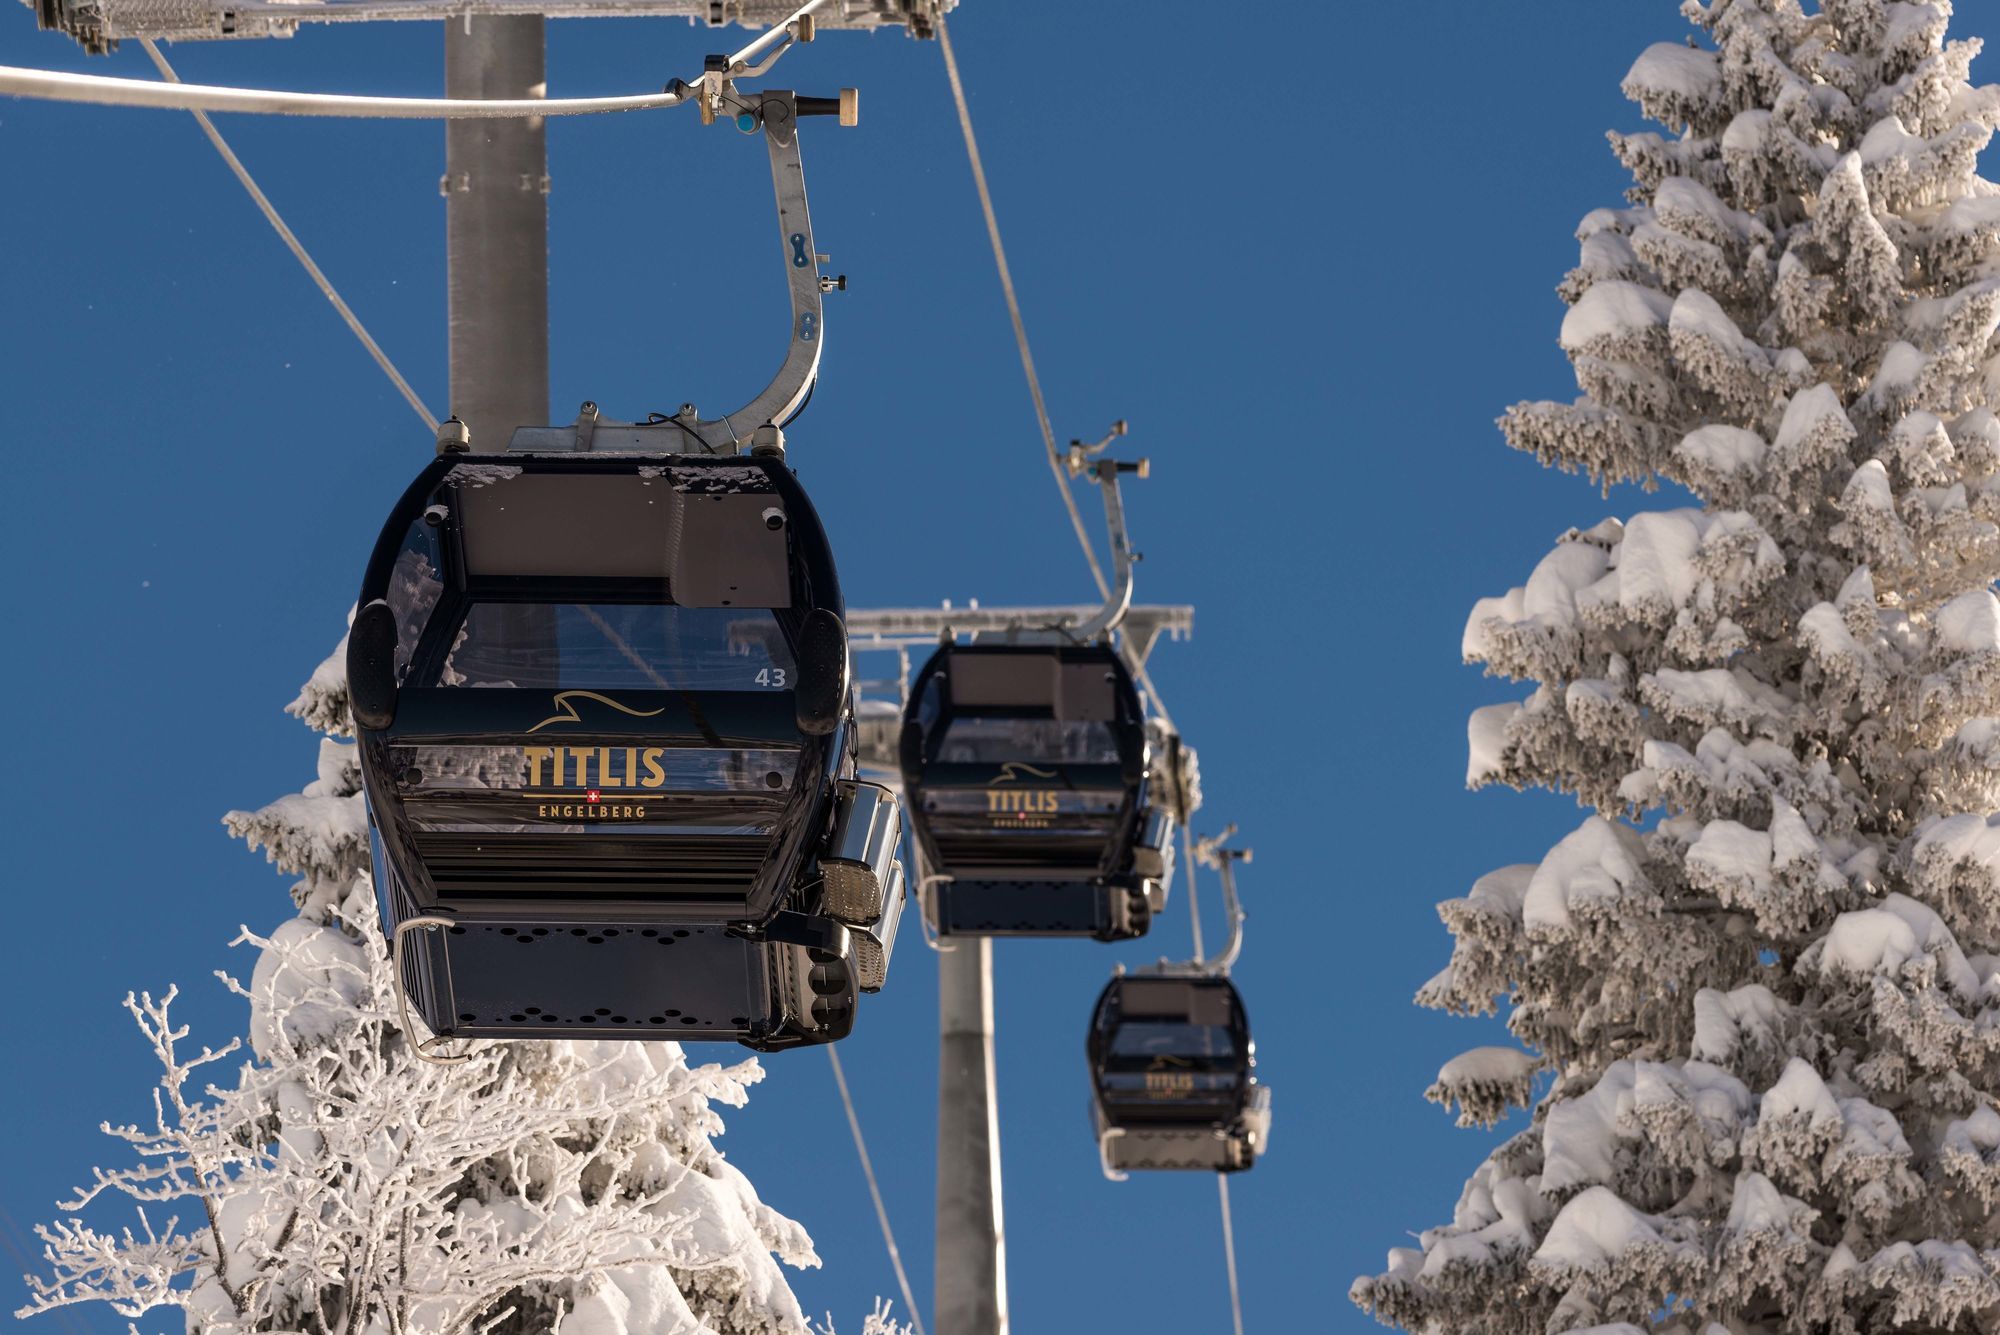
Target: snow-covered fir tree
(1762, 978)
(340, 1186)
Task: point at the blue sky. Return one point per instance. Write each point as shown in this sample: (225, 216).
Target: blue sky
(1309, 258)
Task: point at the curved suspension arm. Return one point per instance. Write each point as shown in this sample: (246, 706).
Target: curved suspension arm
(1210, 853)
(1105, 473)
(753, 427)
(792, 385)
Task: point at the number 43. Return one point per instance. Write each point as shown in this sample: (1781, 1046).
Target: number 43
(773, 677)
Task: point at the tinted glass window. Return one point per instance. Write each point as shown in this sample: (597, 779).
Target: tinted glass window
(995, 741)
(1170, 1043)
(415, 583)
(613, 646)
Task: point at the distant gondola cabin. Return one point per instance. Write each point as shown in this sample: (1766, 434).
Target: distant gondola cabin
(1025, 768)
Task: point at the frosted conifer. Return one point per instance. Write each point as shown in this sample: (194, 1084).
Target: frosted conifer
(341, 1187)
(1762, 979)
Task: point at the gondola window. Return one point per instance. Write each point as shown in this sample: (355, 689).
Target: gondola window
(644, 647)
(980, 740)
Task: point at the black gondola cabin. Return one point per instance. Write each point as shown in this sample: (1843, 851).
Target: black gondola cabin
(1172, 1073)
(1025, 769)
(606, 736)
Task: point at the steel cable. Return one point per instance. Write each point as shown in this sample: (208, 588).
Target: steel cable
(1089, 552)
(1229, 1252)
(1014, 310)
(875, 1192)
(292, 243)
(109, 91)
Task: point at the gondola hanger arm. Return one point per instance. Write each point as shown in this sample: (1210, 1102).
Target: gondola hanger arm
(757, 426)
(1210, 853)
(1105, 473)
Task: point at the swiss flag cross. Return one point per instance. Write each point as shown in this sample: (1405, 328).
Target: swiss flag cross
(591, 795)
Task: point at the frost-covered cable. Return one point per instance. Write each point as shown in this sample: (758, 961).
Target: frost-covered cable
(1014, 310)
(292, 243)
(108, 91)
(874, 1191)
(1229, 1252)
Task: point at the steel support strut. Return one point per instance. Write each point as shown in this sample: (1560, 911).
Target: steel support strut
(971, 1283)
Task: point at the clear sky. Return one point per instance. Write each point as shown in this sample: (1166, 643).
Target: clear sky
(1309, 257)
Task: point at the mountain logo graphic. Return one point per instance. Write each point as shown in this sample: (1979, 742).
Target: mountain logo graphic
(566, 707)
(1012, 771)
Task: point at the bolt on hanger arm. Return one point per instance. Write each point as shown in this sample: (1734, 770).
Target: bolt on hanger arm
(1210, 853)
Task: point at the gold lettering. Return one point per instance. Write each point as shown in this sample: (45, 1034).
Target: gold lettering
(535, 755)
(542, 810)
(655, 775)
(604, 779)
(639, 813)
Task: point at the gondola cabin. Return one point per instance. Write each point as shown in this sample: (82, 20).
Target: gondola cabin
(606, 736)
(1172, 1073)
(1025, 770)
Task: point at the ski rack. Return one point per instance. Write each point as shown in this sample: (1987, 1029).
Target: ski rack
(758, 425)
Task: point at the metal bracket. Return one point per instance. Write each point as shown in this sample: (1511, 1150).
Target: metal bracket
(799, 929)
(422, 1047)
(1104, 1139)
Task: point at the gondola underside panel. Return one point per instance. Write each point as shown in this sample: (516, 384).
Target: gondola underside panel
(1036, 908)
(527, 980)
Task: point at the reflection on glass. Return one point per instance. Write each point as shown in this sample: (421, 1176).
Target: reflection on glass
(1138, 1045)
(976, 740)
(414, 588)
(612, 769)
(618, 646)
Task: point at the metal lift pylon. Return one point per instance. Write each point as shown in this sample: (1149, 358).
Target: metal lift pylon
(496, 186)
